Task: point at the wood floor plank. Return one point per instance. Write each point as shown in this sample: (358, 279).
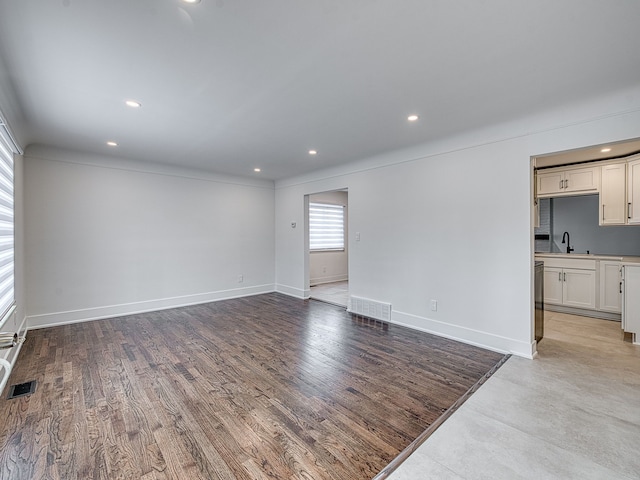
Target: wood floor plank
(263, 387)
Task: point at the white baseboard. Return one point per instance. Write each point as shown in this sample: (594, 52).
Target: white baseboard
(293, 291)
(583, 312)
(110, 311)
(466, 335)
(329, 279)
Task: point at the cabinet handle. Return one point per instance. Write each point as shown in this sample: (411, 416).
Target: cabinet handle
(566, 184)
(620, 287)
(559, 276)
(629, 210)
(560, 184)
(565, 277)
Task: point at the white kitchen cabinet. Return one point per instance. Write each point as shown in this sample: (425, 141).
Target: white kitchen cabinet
(549, 183)
(553, 285)
(610, 299)
(633, 191)
(620, 192)
(613, 194)
(631, 301)
(567, 181)
(570, 287)
(579, 288)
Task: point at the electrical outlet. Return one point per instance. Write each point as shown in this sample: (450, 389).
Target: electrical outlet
(324, 269)
(240, 278)
(434, 305)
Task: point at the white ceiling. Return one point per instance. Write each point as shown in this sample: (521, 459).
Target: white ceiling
(229, 85)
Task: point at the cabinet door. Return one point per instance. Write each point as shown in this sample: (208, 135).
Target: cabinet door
(549, 183)
(582, 180)
(631, 306)
(633, 192)
(553, 285)
(579, 288)
(613, 194)
(610, 287)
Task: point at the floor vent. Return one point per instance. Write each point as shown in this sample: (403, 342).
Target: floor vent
(22, 389)
(370, 308)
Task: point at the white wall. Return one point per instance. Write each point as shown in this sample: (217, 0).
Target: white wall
(454, 223)
(105, 237)
(325, 267)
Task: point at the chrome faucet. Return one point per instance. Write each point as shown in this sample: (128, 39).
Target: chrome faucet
(566, 235)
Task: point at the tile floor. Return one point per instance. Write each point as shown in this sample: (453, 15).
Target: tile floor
(571, 413)
(336, 293)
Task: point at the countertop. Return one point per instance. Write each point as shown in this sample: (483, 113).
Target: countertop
(589, 256)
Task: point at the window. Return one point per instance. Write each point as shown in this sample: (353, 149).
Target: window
(6, 228)
(326, 227)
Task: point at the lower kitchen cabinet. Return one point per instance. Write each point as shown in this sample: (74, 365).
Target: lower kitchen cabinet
(553, 285)
(631, 301)
(570, 287)
(610, 286)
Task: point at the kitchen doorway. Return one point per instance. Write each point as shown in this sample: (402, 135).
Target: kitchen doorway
(328, 246)
(584, 247)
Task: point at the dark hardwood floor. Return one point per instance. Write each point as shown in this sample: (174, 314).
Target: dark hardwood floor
(264, 387)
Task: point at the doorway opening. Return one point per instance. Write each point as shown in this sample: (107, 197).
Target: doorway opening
(583, 249)
(328, 246)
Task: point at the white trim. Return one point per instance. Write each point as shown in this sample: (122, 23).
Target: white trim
(6, 316)
(110, 311)
(584, 312)
(12, 355)
(330, 279)
(293, 291)
(466, 335)
(8, 134)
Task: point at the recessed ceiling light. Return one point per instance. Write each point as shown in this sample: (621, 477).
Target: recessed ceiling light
(112, 144)
(191, 1)
(412, 118)
(256, 169)
(133, 104)
(313, 152)
(605, 150)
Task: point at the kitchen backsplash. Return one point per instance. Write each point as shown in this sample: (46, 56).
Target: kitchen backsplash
(544, 207)
(579, 217)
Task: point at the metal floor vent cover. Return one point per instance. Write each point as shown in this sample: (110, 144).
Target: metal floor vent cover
(22, 389)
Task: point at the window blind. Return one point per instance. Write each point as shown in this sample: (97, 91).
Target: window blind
(7, 299)
(326, 227)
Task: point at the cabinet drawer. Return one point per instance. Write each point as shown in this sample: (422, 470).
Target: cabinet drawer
(579, 263)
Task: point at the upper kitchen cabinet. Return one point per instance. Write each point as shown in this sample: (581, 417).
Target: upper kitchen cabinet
(613, 194)
(620, 192)
(565, 181)
(633, 190)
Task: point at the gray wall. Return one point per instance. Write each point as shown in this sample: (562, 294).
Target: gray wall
(105, 237)
(579, 217)
(420, 230)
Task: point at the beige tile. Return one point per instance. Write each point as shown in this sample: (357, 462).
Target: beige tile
(478, 447)
(573, 412)
(336, 293)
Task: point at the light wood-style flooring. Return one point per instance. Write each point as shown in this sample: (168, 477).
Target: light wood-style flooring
(265, 387)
